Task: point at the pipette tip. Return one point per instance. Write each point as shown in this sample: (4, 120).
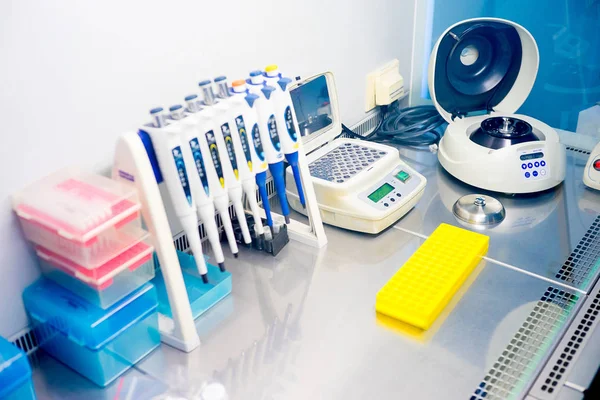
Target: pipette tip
(222, 266)
(205, 278)
(236, 255)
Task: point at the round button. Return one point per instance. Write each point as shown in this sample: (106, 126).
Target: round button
(398, 194)
(386, 204)
(597, 165)
(543, 172)
(524, 166)
(537, 164)
(530, 165)
(535, 173)
(527, 174)
(543, 163)
(392, 199)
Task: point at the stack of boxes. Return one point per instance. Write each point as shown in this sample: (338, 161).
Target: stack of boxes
(94, 309)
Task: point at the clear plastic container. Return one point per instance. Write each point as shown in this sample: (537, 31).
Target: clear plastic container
(99, 344)
(85, 217)
(15, 373)
(107, 284)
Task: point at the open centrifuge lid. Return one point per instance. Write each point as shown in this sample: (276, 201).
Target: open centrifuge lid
(482, 65)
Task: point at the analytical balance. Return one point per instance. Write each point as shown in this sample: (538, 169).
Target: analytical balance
(359, 185)
(480, 72)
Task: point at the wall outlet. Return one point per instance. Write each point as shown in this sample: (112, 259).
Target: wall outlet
(384, 85)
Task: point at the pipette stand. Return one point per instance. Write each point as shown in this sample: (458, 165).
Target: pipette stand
(133, 165)
(311, 234)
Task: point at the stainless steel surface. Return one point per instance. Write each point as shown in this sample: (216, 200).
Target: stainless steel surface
(53, 380)
(539, 231)
(478, 209)
(302, 325)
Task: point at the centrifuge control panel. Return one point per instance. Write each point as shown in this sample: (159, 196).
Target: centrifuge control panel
(393, 190)
(533, 165)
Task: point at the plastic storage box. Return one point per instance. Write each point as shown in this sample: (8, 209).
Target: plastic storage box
(87, 218)
(99, 344)
(107, 284)
(15, 373)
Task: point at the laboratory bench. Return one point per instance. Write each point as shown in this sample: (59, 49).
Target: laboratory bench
(302, 325)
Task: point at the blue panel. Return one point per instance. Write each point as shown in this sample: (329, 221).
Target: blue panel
(15, 372)
(568, 38)
(202, 296)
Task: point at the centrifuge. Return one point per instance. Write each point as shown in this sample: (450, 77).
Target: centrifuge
(480, 72)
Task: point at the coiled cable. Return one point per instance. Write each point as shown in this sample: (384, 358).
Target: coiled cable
(411, 126)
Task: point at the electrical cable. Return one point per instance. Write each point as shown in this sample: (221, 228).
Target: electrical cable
(411, 126)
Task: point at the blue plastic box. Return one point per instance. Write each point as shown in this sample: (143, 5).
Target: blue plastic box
(15, 373)
(99, 344)
(202, 296)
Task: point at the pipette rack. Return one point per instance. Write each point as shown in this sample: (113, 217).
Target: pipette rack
(135, 163)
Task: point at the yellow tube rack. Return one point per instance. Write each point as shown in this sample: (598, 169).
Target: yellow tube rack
(426, 283)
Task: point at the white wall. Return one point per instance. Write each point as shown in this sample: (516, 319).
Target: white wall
(76, 74)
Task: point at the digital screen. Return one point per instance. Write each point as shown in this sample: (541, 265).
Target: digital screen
(531, 156)
(380, 193)
(312, 105)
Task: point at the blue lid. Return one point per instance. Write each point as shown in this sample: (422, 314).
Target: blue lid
(176, 107)
(477, 64)
(191, 97)
(268, 91)
(251, 98)
(14, 368)
(204, 82)
(84, 323)
(284, 83)
(256, 73)
(220, 78)
(156, 110)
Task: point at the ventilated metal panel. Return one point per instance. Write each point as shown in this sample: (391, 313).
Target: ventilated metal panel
(581, 268)
(561, 362)
(524, 356)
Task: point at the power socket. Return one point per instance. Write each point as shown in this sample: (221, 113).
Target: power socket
(384, 85)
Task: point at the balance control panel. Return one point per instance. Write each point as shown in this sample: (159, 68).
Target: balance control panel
(393, 189)
(533, 165)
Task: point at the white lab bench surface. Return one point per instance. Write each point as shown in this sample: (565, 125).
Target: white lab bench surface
(302, 325)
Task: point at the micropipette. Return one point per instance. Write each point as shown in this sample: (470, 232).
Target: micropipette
(167, 146)
(270, 135)
(216, 181)
(242, 147)
(247, 124)
(286, 122)
(198, 173)
(224, 141)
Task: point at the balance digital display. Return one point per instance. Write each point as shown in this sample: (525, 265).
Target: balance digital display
(381, 192)
(531, 156)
